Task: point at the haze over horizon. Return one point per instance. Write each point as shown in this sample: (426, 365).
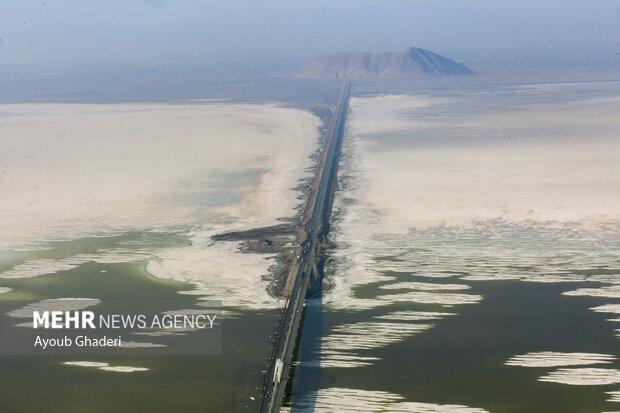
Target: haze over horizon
(310, 206)
(75, 36)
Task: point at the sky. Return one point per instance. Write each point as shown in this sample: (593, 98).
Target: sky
(78, 35)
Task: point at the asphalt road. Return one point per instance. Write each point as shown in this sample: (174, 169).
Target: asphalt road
(306, 278)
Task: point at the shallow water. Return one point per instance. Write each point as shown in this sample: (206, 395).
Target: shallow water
(383, 337)
(461, 246)
(461, 358)
(225, 382)
(129, 209)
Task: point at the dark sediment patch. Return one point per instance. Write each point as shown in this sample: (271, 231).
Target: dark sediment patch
(283, 240)
(256, 233)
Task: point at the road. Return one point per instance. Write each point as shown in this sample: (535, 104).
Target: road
(305, 277)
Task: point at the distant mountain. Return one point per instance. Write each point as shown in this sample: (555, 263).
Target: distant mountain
(388, 65)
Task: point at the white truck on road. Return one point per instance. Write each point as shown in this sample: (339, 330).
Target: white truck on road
(277, 371)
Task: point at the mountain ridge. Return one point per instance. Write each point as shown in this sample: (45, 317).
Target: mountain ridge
(386, 65)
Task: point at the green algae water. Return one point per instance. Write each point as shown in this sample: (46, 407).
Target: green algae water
(227, 382)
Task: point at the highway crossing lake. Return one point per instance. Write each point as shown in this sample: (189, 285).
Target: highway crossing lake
(473, 268)
(476, 254)
(310, 206)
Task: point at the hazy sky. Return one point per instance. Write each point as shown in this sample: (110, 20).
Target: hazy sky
(78, 34)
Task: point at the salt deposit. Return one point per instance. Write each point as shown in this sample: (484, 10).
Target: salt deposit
(355, 400)
(105, 366)
(74, 171)
(478, 195)
(583, 377)
(554, 359)
(612, 291)
(54, 304)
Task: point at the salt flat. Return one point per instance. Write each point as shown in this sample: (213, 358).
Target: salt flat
(72, 171)
(545, 162)
(469, 222)
(536, 167)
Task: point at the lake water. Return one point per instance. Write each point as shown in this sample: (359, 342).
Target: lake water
(477, 254)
